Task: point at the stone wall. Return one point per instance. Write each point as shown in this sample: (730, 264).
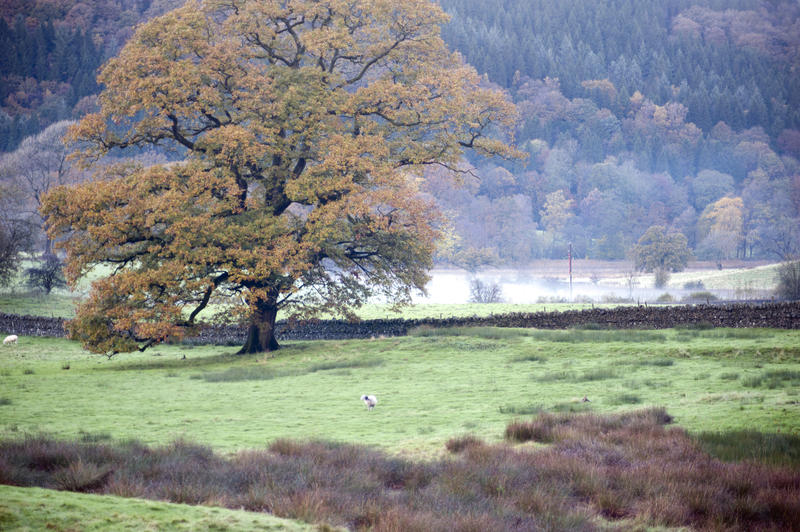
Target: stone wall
(777, 315)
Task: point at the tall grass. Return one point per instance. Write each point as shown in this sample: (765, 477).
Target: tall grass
(773, 379)
(627, 467)
(487, 333)
(577, 335)
(739, 445)
(598, 335)
(263, 373)
(596, 374)
(247, 373)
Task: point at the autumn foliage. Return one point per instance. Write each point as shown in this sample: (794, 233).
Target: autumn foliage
(304, 126)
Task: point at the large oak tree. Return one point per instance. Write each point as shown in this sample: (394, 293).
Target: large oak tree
(304, 125)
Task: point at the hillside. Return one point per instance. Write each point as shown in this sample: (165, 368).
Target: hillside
(683, 114)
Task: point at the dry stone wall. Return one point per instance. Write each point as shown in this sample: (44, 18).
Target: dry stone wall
(784, 315)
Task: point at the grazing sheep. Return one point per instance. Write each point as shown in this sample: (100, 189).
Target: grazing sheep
(370, 401)
(10, 339)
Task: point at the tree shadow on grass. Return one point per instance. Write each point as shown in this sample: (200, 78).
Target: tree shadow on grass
(176, 360)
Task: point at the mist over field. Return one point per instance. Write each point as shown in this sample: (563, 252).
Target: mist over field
(603, 282)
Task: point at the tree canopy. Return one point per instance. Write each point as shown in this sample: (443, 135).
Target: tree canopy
(659, 251)
(302, 127)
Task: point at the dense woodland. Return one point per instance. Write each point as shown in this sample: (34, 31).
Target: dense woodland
(676, 113)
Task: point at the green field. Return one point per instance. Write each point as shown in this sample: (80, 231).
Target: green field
(432, 386)
(39, 509)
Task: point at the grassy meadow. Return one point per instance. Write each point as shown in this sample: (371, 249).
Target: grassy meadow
(44, 509)
(431, 386)
(735, 392)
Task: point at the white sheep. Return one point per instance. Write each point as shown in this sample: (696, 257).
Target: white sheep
(370, 401)
(10, 339)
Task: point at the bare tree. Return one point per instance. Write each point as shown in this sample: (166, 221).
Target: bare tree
(480, 292)
(789, 280)
(47, 274)
(631, 281)
(15, 232)
(39, 164)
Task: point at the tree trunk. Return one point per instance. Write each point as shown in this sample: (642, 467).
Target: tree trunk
(261, 332)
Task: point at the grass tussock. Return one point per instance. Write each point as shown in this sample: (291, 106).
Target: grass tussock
(521, 410)
(599, 336)
(773, 379)
(345, 364)
(705, 330)
(596, 374)
(656, 362)
(741, 445)
(529, 357)
(461, 443)
(263, 373)
(626, 399)
(629, 466)
(487, 333)
(246, 373)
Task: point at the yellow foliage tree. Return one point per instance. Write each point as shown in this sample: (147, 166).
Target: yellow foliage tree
(721, 227)
(303, 124)
(724, 215)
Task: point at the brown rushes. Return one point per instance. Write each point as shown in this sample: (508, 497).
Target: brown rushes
(630, 468)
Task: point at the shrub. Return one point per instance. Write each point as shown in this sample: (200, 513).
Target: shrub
(700, 297)
(789, 280)
(459, 444)
(694, 285)
(82, 476)
(47, 275)
(538, 430)
(480, 292)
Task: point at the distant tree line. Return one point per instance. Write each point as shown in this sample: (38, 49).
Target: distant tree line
(677, 114)
(724, 60)
(680, 114)
(44, 73)
(51, 50)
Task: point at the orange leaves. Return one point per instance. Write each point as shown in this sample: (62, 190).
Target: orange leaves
(303, 123)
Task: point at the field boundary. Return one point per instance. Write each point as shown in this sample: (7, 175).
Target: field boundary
(783, 315)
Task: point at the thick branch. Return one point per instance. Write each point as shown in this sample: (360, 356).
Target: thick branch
(374, 60)
(207, 296)
(177, 134)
